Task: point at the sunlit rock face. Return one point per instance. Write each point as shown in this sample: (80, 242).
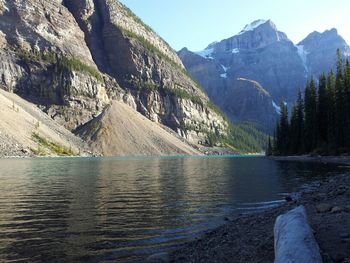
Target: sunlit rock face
(73, 58)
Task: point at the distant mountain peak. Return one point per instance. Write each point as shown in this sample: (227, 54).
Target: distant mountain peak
(257, 23)
(325, 40)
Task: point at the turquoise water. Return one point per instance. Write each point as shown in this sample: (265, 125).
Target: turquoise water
(124, 209)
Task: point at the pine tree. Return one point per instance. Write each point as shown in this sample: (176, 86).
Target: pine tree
(294, 141)
(322, 113)
(283, 129)
(310, 123)
(300, 123)
(331, 130)
(340, 109)
(347, 103)
(278, 140)
(297, 126)
(269, 148)
(274, 142)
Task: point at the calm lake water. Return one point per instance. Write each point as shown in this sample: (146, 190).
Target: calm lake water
(121, 210)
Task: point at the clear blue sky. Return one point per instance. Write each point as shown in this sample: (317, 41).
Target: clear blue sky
(196, 23)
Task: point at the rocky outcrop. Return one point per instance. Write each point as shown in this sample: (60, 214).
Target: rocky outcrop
(36, 25)
(73, 58)
(147, 67)
(68, 93)
(261, 53)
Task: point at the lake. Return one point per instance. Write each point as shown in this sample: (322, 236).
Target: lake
(124, 209)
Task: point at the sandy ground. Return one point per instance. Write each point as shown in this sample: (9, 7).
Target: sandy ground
(19, 119)
(249, 238)
(123, 132)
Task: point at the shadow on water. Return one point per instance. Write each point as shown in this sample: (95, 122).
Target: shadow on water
(112, 209)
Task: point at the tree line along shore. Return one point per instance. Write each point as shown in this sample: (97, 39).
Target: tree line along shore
(320, 119)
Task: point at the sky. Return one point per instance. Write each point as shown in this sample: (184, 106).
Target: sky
(196, 23)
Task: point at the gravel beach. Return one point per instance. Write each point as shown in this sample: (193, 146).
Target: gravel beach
(249, 238)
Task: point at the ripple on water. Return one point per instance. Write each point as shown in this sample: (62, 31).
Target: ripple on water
(119, 210)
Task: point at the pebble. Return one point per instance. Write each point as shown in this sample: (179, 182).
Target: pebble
(322, 208)
(337, 209)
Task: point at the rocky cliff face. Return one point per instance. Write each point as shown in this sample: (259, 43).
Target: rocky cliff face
(253, 103)
(261, 53)
(73, 58)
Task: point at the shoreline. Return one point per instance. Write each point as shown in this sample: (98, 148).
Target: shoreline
(344, 160)
(249, 237)
(136, 157)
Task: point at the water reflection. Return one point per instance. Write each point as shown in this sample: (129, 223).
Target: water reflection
(92, 210)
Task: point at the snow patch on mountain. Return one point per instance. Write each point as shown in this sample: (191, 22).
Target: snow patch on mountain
(224, 68)
(235, 51)
(302, 54)
(252, 26)
(224, 75)
(206, 53)
(277, 109)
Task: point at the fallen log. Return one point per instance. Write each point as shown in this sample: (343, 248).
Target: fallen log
(294, 240)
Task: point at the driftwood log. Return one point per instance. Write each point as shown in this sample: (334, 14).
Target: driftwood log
(294, 239)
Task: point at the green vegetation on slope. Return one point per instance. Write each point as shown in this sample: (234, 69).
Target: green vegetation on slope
(74, 64)
(51, 146)
(238, 139)
(183, 94)
(320, 121)
(62, 62)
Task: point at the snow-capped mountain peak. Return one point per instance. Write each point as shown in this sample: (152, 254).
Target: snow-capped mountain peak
(253, 25)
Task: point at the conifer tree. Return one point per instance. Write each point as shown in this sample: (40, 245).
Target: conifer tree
(274, 142)
(283, 129)
(331, 147)
(269, 148)
(300, 123)
(339, 103)
(310, 123)
(347, 103)
(322, 112)
(294, 140)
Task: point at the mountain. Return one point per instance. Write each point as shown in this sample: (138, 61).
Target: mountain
(79, 60)
(265, 55)
(319, 50)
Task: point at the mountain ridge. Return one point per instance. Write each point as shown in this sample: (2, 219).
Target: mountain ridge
(75, 59)
(262, 53)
